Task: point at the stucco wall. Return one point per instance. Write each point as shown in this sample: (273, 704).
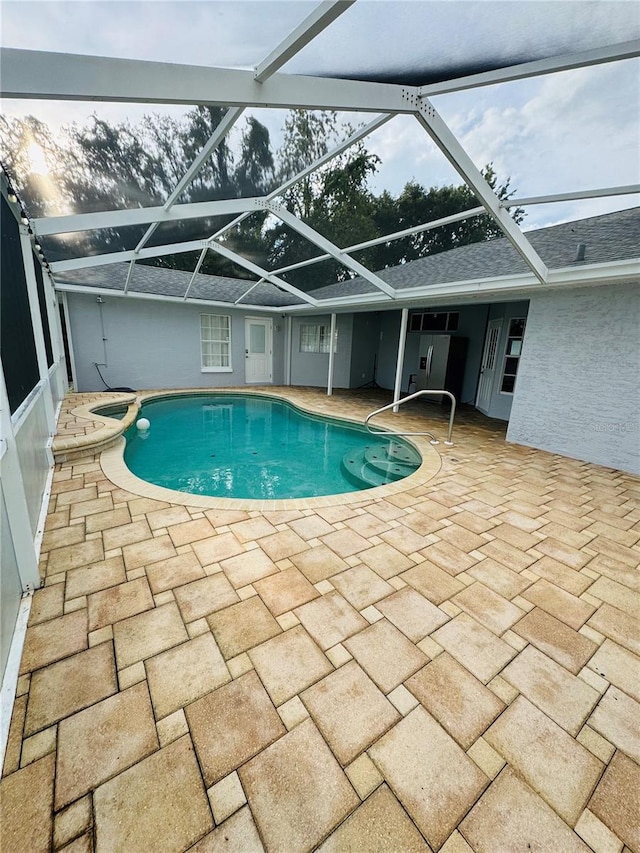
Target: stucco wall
(312, 368)
(578, 392)
(366, 330)
(388, 351)
(154, 344)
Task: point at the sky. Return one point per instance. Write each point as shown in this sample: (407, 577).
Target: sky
(569, 131)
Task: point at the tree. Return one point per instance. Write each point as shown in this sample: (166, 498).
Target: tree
(103, 166)
(415, 205)
(34, 161)
(335, 200)
(255, 173)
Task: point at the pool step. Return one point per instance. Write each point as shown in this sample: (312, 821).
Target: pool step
(379, 464)
(403, 453)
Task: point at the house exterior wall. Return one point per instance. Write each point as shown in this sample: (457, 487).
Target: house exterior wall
(153, 344)
(388, 350)
(577, 392)
(312, 368)
(366, 331)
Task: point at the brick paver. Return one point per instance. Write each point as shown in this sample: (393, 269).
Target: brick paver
(452, 666)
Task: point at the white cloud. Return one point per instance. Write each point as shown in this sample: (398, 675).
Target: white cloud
(408, 154)
(201, 32)
(571, 131)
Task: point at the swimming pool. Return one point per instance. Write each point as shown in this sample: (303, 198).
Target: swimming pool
(259, 447)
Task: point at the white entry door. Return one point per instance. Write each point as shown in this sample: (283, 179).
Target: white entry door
(489, 364)
(258, 336)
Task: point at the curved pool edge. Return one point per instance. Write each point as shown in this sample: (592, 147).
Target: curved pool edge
(116, 470)
(100, 430)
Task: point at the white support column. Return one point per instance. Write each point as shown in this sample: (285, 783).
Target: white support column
(58, 372)
(402, 340)
(288, 343)
(53, 317)
(332, 352)
(17, 508)
(132, 265)
(36, 324)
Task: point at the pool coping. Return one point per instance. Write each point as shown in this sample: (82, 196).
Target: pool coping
(69, 448)
(114, 467)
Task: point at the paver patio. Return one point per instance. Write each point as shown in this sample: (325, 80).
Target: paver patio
(452, 667)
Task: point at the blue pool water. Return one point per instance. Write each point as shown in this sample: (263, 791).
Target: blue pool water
(244, 446)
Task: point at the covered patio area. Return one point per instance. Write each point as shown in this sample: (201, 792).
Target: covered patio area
(453, 667)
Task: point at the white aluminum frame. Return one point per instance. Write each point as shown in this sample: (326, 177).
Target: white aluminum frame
(42, 75)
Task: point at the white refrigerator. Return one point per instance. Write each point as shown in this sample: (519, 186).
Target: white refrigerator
(441, 365)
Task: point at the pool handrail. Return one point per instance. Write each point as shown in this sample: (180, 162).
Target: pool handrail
(398, 403)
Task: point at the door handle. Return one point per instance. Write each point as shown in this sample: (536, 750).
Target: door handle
(429, 360)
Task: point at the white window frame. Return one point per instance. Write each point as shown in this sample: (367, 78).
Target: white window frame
(215, 368)
(318, 337)
(507, 355)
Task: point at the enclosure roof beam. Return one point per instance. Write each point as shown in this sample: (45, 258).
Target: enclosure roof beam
(216, 138)
(536, 68)
(174, 249)
(141, 215)
(195, 272)
(261, 273)
(479, 289)
(130, 255)
(64, 287)
(389, 238)
(330, 248)
(604, 192)
(359, 134)
(440, 133)
(248, 291)
(171, 212)
(35, 74)
(417, 229)
(313, 24)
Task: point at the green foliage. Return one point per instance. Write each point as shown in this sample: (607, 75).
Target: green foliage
(103, 166)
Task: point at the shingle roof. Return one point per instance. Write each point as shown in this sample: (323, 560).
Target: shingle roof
(168, 282)
(611, 237)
